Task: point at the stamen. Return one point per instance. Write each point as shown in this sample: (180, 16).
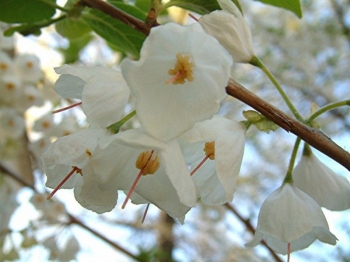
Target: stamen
(66, 108)
(182, 70)
(288, 257)
(63, 181)
(199, 165)
(146, 166)
(193, 17)
(209, 150)
(145, 213)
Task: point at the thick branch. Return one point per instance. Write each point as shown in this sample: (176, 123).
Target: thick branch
(310, 135)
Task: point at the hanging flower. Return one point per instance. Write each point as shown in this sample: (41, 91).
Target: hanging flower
(179, 80)
(103, 92)
(290, 220)
(222, 145)
(230, 28)
(165, 180)
(70, 154)
(318, 181)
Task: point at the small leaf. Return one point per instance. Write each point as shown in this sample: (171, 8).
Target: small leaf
(199, 6)
(72, 29)
(71, 54)
(291, 5)
(26, 11)
(117, 33)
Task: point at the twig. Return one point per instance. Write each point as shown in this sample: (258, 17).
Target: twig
(310, 135)
(250, 227)
(118, 14)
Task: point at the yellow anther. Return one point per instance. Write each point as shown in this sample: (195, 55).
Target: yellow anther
(46, 124)
(145, 163)
(209, 150)
(3, 66)
(29, 64)
(88, 152)
(182, 70)
(10, 86)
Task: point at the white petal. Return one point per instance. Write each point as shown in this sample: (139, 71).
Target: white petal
(104, 99)
(317, 180)
(289, 215)
(95, 197)
(168, 110)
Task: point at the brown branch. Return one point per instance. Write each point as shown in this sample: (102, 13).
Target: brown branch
(72, 219)
(250, 227)
(310, 135)
(118, 14)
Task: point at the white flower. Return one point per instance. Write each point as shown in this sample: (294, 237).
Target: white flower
(6, 64)
(114, 167)
(216, 179)
(290, 217)
(74, 150)
(230, 28)
(318, 181)
(179, 80)
(28, 68)
(103, 92)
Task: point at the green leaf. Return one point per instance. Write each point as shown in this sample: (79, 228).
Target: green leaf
(72, 29)
(291, 5)
(71, 54)
(32, 28)
(199, 6)
(117, 33)
(26, 11)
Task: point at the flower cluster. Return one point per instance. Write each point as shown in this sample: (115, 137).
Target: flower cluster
(179, 154)
(183, 150)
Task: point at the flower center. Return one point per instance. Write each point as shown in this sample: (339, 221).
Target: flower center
(146, 164)
(209, 150)
(182, 70)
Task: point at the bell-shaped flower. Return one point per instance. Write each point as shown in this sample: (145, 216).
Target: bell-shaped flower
(165, 180)
(222, 145)
(179, 80)
(72, 152)
(103, 92)
(230, 28)
(291, 220)
(318, 181)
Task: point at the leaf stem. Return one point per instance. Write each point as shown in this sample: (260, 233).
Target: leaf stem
(289, 178)
(114, 128)
(256, 62)
(326, 108)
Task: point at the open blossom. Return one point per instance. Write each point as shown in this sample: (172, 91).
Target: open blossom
(318, 181)
(103, 92)
(230, 28)
(179, 80)
(115, 166)
(289, 217)
(222, 141)
(72, 151)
